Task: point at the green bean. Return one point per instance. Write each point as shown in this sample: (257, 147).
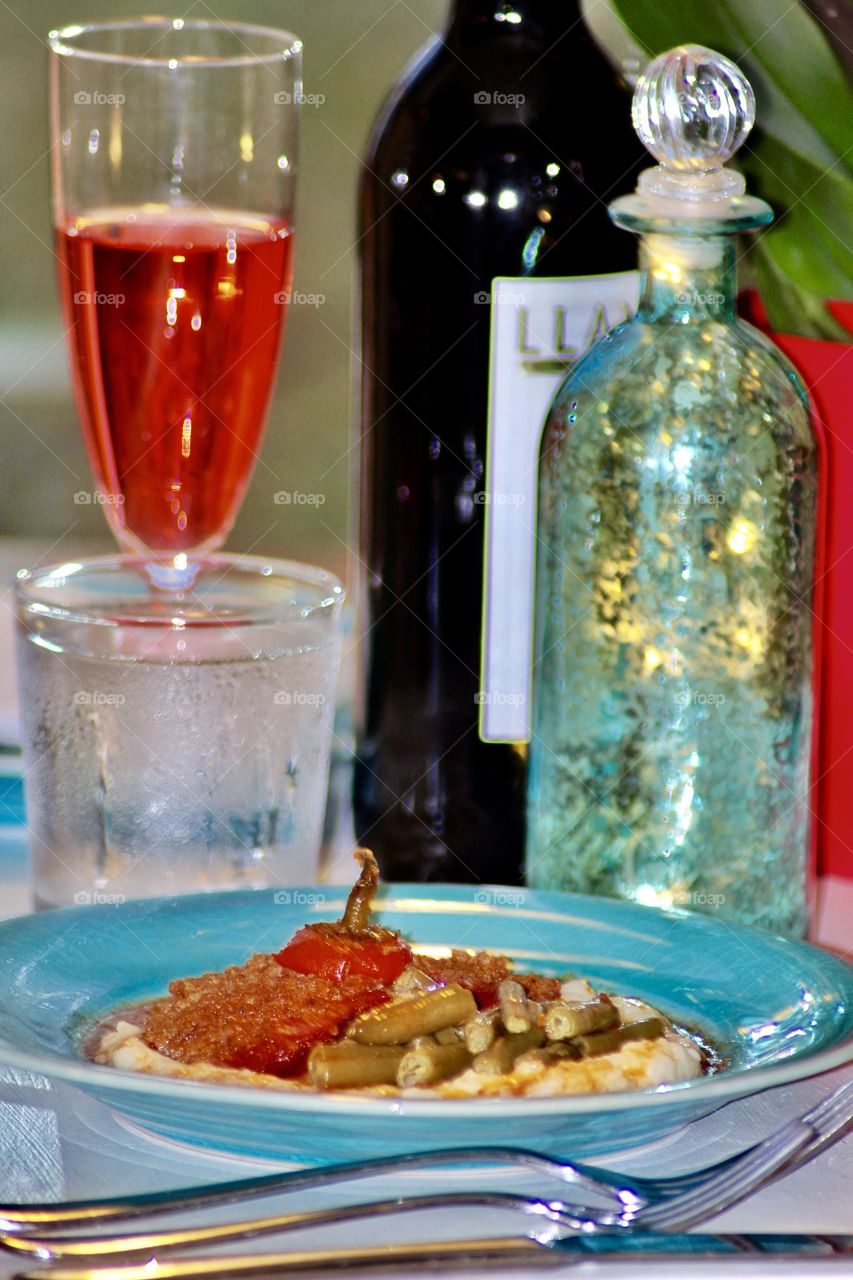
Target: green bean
(402, 1020)
(481, 1029)
(564, 1021)
(609, 1041)
(412, 981)
(449, 1035)
(557, 1051)
(501, 1056)
(428, 1064)
(515, 1011)
(347, 1065)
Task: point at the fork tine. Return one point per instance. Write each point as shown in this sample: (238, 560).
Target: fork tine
(795, 1143)
(724, 1190)
(838, 1103)
(662, 1189)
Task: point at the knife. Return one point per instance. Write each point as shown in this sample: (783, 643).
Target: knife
(462, 1255)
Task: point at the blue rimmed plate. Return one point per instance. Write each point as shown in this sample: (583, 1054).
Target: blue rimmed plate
(778, 1010)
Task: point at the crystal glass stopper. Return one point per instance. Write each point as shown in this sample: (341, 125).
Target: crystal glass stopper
(693, 108)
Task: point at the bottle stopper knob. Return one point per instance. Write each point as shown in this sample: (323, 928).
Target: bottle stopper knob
(693, 109)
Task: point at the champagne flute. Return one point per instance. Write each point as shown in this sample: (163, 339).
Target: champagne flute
(174, 169)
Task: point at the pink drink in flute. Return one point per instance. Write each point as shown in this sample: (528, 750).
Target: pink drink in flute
(174, 174)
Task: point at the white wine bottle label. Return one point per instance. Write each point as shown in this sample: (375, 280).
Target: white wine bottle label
(540, 328)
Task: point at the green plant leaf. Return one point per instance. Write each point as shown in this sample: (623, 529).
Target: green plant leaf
(790, 307)
(801, 156)
(812, 232)
(804, 98)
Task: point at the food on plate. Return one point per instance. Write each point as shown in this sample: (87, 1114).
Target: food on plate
(351, 1005)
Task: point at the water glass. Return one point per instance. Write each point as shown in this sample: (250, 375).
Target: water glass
(175, 740)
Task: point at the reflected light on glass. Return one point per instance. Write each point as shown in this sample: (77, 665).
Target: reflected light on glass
(669, 272)
(648, 896)
(115, 145)
(651, 659)
(530, 252)
(742, 536)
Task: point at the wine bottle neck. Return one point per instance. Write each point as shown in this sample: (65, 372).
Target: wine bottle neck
(542, 18)
(687, 278)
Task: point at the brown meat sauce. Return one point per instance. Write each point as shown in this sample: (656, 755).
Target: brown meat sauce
(257, 1015)
(482, 974)
(266, 1018)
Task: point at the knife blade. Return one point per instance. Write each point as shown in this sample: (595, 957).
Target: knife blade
(462, 1255)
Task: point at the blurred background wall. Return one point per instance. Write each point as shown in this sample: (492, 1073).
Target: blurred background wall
(354, 50)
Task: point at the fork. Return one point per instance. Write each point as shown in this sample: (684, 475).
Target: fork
(790, 1146)
(621, 1189)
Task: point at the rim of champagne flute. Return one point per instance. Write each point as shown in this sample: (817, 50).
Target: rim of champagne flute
(34, 588)
(61, 42)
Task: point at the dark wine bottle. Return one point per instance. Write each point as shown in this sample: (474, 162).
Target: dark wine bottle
(494, 157)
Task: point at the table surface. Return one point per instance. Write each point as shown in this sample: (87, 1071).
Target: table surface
(56, 1143)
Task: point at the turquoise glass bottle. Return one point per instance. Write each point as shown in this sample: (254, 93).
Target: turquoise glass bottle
(672, 717)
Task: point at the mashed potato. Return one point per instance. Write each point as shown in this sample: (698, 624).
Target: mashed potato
(640, 1064)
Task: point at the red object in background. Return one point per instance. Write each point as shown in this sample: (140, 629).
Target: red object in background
(175, 325)
(827, 370)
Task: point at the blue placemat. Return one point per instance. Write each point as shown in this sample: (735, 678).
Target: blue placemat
(15, 895)
(12, 811)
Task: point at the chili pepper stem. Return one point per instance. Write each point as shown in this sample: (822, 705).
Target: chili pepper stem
(356, 917)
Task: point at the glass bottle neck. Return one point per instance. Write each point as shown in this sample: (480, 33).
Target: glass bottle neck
(524, 17)
(687, 279)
